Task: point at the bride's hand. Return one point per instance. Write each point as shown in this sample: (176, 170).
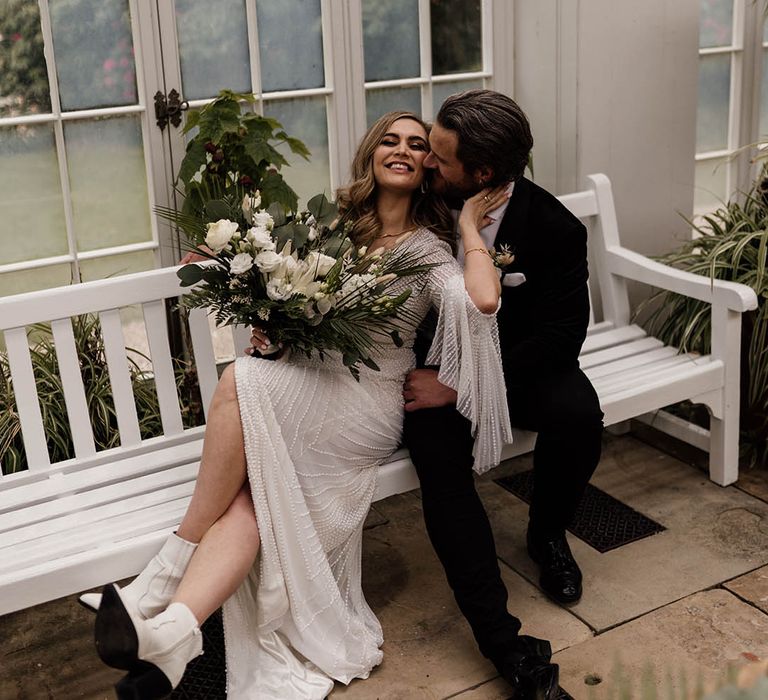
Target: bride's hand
(475, 209)
(193, 257)
(262, 345)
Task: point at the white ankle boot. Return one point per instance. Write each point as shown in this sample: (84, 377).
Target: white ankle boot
(154, 651)
(151, 591)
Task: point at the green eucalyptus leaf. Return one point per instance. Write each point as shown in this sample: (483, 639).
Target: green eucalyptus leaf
(217, 209)
(325, 212)
(193, 159)
(189, 275)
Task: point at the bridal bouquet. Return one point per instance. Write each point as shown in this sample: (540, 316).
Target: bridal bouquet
(299, 277)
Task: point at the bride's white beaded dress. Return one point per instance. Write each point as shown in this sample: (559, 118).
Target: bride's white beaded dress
(314, 438)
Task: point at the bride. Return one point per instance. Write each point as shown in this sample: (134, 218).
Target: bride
(274, 528)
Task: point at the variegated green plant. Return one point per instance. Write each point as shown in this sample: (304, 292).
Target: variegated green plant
(98, 393)
(732, 245)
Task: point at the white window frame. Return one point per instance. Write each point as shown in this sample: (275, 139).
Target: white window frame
(57, 118)
(744, 98)
(344, 92)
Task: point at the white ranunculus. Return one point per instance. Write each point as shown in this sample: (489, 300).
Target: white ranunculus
(220, 234)
(263, 219)
(242, 262)
(279, 289)
(260, 238)
(250, 204)
(268, 260)
(320, 263)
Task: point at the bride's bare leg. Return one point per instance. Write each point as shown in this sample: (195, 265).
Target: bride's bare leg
(222, 467)
(222, 560)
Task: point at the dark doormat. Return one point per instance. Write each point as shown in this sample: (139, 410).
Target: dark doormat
(601, 521)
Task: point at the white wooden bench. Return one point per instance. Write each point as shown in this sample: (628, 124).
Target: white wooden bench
(73, 525)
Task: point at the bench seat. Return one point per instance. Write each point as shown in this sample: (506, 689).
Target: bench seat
(100, 516)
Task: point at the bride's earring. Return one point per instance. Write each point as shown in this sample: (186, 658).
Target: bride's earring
(424, 186)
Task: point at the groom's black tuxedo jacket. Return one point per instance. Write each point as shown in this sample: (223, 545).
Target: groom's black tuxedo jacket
(543, 321)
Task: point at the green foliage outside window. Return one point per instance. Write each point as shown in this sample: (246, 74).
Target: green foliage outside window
(23, 73)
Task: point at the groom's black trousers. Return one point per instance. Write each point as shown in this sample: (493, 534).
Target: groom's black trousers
(564, 409)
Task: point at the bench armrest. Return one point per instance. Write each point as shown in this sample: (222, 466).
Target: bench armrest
(630, 265)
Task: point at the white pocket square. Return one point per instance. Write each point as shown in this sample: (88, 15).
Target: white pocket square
(513, 279)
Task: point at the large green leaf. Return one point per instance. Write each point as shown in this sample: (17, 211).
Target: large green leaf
(325, 212)
(190, 274)
(193, 159)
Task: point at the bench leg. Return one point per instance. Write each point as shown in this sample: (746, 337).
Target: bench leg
(621, 428)
(724, 449)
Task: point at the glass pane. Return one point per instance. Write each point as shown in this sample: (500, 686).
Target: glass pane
(94, 53)
(23, 72)
(378, 102)
(715, 23)
(32, 280)
(711, 184)
(764, 99)
(391, 39)
(213, 47)
(108, 182)
(115, 265)
(456, 36)
(306, 119)
(290, 44)
(714, 96)
(31, 205)
(442, 90)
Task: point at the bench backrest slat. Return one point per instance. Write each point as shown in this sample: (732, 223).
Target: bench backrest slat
(120, 377)
(205, 359)
(72, 384)
(165, 383)
(25, 392)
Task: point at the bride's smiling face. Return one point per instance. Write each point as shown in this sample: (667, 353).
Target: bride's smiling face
(398, 159)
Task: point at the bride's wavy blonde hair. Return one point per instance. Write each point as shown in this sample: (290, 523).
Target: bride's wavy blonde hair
(357, 201)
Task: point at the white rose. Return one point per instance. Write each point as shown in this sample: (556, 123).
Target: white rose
(268, 260)
(219, 234)
(260, 238)
(242, 262)
(279, 289)
(250, 203)
(263, 219)
(320, 263)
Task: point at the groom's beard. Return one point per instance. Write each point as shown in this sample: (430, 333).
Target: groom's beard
(454, 192)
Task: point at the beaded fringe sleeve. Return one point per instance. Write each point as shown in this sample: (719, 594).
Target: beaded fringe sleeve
(466, 346)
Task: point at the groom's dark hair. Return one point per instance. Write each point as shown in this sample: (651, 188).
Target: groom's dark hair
(493, 131)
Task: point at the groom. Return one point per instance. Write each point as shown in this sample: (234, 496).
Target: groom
(482, 138)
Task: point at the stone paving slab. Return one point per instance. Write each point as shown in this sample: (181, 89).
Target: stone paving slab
(429, 651)
(753, 587)
(698, 638)
(48, 652)
(714, 534)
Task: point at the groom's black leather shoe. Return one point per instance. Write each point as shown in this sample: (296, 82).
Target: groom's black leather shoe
(560, 576)
(529, 671)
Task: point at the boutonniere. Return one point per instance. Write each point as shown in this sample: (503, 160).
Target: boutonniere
(503, 257)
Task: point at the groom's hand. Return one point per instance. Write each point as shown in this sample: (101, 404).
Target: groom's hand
(422, 390)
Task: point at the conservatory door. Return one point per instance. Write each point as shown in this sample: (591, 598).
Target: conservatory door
(79, 150)
(247, 46)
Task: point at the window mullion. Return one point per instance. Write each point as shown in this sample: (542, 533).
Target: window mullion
(344, 70)
(425, 58)
(498, 21)
(58, 128)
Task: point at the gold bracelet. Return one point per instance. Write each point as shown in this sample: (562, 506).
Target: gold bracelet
(477, 250)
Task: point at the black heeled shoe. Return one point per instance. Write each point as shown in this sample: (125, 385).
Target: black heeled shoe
(155, 652)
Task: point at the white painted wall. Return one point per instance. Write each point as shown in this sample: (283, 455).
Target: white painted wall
(610, 86)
